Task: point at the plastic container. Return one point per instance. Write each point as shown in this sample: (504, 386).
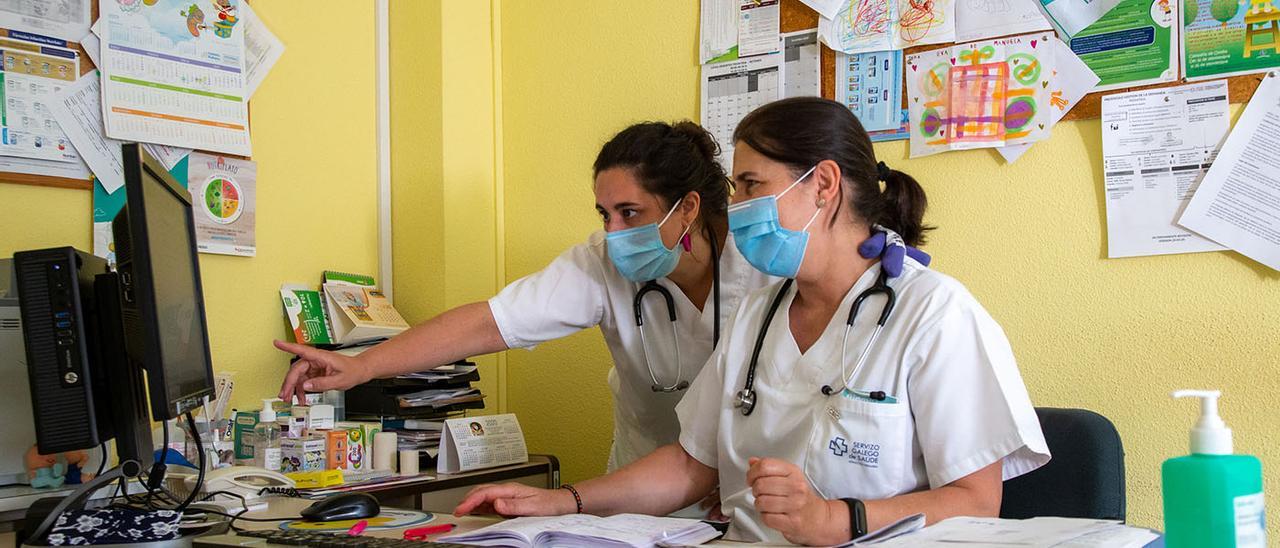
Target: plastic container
(1212, 498)
(266, 439)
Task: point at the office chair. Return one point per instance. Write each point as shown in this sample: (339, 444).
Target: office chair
(1085, 477)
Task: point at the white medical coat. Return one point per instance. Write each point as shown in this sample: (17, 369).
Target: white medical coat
(960, 401)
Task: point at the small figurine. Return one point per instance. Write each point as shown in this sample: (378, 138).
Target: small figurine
(77, 461)
(44, 470)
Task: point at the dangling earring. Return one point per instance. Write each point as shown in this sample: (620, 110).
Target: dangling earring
(686, 243)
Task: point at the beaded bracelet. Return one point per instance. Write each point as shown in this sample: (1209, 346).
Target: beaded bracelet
(576, 497)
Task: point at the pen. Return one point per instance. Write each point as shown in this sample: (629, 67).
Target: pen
(358, 528)
(422, 532)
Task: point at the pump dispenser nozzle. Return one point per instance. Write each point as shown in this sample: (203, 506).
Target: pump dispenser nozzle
(268, 413)
(1210, 436)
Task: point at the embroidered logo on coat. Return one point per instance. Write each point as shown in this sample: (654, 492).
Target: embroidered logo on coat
(860, 453)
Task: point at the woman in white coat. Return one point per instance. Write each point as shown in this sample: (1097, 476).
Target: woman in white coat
(824, 450)
(662, 196)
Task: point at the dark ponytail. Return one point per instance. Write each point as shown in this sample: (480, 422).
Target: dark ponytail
(671, 160)
(802, 131)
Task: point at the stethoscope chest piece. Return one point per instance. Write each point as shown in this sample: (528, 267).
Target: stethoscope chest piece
(746, 401)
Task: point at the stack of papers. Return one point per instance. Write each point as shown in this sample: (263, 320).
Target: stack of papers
(440, 397)
(442, 373)
(1043, 532)
(622, 530)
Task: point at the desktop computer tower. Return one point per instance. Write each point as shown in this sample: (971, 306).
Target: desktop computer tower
(69, 397)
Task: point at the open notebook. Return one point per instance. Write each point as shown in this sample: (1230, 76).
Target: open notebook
(622, 530)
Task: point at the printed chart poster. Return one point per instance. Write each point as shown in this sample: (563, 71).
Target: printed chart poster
(222, 194)
(1229, 37)
(35, 69)
(1133, 44)
(173, 73)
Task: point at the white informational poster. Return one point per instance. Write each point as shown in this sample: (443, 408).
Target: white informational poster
(34, 71)
(174, 74)
(801, 65)
(473, 443)
(982, 19)
(1156, 146)
(1072, 16)
(63, 19)
(1072, 80)
(718, 31)
(261, 48)
(1238, 202)
(78, 109)
(222, 194)
(759, 26)
(732, 89)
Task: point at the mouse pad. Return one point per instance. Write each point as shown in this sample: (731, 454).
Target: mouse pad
(387, 519)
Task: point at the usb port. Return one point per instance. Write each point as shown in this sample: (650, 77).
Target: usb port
(63, 324)
(62, 315)
(66, 333)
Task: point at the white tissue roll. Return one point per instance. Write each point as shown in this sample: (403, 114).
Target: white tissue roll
(384, 450)
(408, 462)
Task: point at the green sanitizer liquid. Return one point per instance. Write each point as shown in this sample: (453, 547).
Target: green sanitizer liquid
(1212, 498)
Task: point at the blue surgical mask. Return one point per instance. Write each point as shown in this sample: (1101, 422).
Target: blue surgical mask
(762, 240)
(639, 254)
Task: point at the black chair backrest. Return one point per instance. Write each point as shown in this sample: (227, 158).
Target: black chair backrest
(1085, 477)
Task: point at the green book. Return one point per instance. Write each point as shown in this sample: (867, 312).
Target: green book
(305, 309)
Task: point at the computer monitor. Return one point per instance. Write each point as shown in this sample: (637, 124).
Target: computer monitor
(94, 332)
(162, 298)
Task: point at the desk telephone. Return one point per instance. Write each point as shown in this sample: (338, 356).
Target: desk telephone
(246, 481)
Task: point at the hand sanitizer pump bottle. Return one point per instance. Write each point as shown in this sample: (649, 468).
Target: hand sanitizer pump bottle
(1212, 498)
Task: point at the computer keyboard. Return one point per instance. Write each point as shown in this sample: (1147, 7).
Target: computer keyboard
(279, 537)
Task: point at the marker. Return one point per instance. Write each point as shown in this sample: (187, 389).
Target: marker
(358, 528)
(421, 533)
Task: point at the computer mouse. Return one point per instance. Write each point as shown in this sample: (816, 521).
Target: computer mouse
(342, 506)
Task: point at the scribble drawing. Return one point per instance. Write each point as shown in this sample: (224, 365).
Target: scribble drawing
(862, 20)
(917, 19)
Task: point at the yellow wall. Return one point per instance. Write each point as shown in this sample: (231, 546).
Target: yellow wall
(314, 141)
(1028, 239)
(444, 164)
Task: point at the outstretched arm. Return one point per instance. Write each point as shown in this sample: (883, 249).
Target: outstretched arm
(465, 331)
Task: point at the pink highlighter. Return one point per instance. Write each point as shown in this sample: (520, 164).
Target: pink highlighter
(358, 528)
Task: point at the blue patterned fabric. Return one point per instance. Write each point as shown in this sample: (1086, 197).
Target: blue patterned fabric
(113, 526)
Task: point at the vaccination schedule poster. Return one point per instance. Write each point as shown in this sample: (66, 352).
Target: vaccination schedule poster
(1133, 44)
(222, 194)
(1229, 37)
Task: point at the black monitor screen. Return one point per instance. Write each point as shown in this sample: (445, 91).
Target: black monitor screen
(163, 303)
(180, 324)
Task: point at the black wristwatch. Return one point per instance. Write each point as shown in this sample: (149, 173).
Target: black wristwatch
(857, 518)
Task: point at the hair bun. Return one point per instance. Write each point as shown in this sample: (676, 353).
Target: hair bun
(701, 138)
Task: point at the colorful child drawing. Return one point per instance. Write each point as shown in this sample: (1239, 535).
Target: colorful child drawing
(983, 94)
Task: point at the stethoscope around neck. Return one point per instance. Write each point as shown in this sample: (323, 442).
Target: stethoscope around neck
(652, 286)
(745, 399)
